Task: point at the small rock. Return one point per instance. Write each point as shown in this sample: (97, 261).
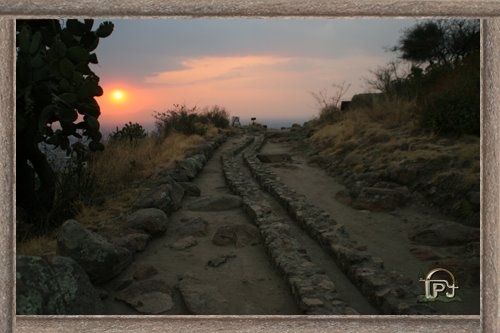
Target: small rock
(237, 234)
(194, 227)
(381, 199)
(152, 303)
(216, 262)
(191, 189)
(144, 272)
(312, 301)
(444, 233)
(184, 243)
(425, 253)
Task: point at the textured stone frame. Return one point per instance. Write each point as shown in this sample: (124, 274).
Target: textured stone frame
(489, 11)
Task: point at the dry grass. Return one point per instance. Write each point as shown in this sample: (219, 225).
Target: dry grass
(388, 134)
(122, 162)
(38, 246)
(120, 170)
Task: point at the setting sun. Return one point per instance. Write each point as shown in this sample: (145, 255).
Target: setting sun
(118, 95)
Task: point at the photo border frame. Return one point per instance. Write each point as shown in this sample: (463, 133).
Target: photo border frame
(489, 13)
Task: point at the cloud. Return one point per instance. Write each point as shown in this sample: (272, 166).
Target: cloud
(205, 69)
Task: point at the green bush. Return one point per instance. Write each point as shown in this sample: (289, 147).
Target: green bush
(188, 121)
(180, 119)
(131, 132)
(218, 116)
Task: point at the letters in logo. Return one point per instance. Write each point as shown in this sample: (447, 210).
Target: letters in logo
(433, 287)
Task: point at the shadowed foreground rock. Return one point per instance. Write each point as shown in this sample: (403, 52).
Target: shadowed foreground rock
(99, 258)
(58, 286)
(150, 220)
(167, 197)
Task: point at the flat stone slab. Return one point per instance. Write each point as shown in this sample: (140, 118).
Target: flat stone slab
(184, 243)
(197, 227)
(143, 272)
(215, 203)
(202, 299)
(152, 303)
(148, 296)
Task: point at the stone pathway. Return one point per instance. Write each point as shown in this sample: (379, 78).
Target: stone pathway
(209, 261)
(249, 239)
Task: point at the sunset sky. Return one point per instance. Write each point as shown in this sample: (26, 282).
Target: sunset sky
(264, 68)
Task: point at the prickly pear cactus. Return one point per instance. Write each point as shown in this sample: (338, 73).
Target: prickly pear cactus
(55, 94)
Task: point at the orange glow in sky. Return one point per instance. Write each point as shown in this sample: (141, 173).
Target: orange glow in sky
(118, 95)
(122, 102)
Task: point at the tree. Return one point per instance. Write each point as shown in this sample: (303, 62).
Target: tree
(439, 42)
(54, 88)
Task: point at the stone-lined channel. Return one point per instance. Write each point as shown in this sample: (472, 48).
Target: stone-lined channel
(313, 251)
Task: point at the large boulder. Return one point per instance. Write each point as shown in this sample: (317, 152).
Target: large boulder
(58, 286)
(444, 233)
(215, 203)
(191, 189)
(167, 197)
(150, 220)
(99, 258)
(192, 165)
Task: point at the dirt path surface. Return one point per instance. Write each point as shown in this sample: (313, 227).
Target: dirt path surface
(384, 234)
(225, 254)
(244, 284)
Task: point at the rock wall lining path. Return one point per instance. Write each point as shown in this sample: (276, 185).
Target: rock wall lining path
(390, 292)
(61, 285)
(313, 290)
